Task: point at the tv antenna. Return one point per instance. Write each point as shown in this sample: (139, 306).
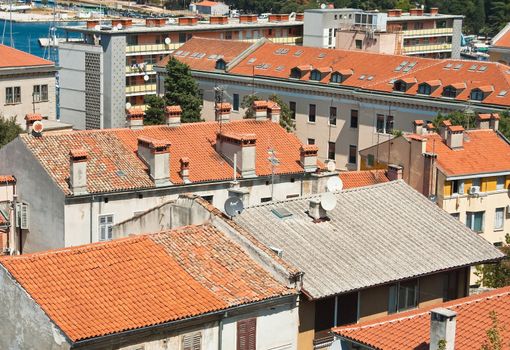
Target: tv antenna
(274, 161)
(233, 206)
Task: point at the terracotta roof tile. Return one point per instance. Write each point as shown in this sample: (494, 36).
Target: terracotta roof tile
(32, 117)
(456, 128)
(10, 57)
(7, 179)
(113, 164)
(105, 288)
(173, 109)
(352, 179)
(411, 330)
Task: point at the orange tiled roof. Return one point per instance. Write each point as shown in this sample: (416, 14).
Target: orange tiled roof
(502, 39)
(352, 179)
(7, 179)
(484, 151)
(411, 330)
(207, 3)
(10, 57)
(113, 164)
(105, 288)
(212, 50)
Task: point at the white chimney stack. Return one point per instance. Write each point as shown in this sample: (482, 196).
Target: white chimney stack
(156, 155)
(134, 118)
(442, 328)
(260, 110)
(185, 169)
(223, 112)
(173, 115)
(78, 171)
(274, 112)
(243, 146)
(315, 209)
(308, 157)
(418, 127)
(455, 137)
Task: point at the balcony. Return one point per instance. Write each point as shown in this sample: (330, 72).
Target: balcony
(290, 40)
(134, 70)
(134, 50)
(147, 89)
(428, 48)
(428, 32)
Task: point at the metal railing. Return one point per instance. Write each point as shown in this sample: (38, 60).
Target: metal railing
(148, 48)
(141, 89)
(148, 68)
(427, 48)
(427, 32)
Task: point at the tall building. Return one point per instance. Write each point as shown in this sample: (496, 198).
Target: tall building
(114, 63)
(414, 33)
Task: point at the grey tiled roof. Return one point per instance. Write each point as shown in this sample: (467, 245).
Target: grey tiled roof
(377, 234)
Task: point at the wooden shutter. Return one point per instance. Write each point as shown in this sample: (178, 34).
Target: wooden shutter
(247, 334)
(192, 341)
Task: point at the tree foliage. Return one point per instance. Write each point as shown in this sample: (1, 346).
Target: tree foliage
(468, 121)
(494, 340)
(496, 275)
(286, 120)
(9, 130)
(155, 113)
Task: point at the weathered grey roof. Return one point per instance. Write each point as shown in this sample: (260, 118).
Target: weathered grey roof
(377, 234)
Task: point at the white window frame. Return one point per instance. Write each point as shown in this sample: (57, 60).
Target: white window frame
(502, 225)
(470, 220)
(40, 95)
(106, 225)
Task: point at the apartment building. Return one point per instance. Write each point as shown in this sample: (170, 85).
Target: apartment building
(113, 65)
(499, 50)
(466, 172)
(27, 85)
(345, 101)
(413, 33)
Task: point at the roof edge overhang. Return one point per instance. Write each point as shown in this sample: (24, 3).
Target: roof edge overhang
(477, 175)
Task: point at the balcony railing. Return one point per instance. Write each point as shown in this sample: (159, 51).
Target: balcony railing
(428, 32)
(148, 68)
(140, 49)
(427, 48)
(141, 89)
(289, 40)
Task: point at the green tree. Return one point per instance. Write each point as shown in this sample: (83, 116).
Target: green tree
(286, 120)
(496, 275)
(494, 340)
(182, 89)
(467, 120)
(9, 130)
(155, 113)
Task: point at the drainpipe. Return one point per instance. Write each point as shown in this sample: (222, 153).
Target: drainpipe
(220, 329)
(90, 216)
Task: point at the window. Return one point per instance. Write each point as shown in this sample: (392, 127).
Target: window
(354, 118)
(235, 102)
(221, 64)
(266, 199)
(105, 227)
(476, 95)
(292, 107)
(353, 152)
(424, 89)
(450, 92)
(182, 37)
(192, 341)
(295, 73)
(399, 85)
(389, 124)
(228, 35)
(246, 334)
(40, 93)
(403, 296)
(311, 141)
(457, 187)
(380, 123)
(500, 183)
(499, 218)
(13, 95)
(456, 216)
(474, 220)
(132, 39)
(316, 75)
(311, 113)
(331, 150)
(208, 199)
(370, 160)
(359, 44)
(332, 115)
(336, 78)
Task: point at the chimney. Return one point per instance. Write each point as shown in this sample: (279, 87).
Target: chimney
(242, 147)
(418, 127)
(394, 172)
(429, 129)
(455, 137)
(315, 209)
(173, 115)
(30, 120)
(223, 112)
(78, 171)
(155, 22)
(308, 157)
(259, 110)
(156, 155)
(185, 169)
(416, 12)
(273, 112)
(483, 120)
(443, 128)
(434, 11)
(134, 118)
(300, 17)
(442, 328)
(494, 123)
(394, 13)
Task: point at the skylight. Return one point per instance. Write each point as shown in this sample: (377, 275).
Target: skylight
(473, 67)
(212, 57)
(263, 66)
(251, 60)
(298, 53)
(502, 93)
(482, 68)
(448, 66)
(281, 212)
(458, 66)
(321, 55)
(362, 77)
(280, 68)
(281, 51)
(370, 77)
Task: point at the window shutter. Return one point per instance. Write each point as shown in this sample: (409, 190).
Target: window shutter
(247, 334)
(197, 341)
(186, 342)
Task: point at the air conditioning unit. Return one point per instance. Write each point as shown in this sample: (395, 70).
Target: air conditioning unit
(474, 190)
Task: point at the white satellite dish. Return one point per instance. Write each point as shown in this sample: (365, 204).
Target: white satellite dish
(128, 105)
(334, 184)
(168, 41)
(331, 165)
(336, 345)
(146, 77)
(323, 6)
(119, 26)
(38, 127)
(234, 206)
(97, 27)
(328, 201)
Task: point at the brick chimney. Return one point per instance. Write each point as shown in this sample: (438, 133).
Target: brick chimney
(134, 118)
(259, 110)
(455, 137)
(156, 155)
(434, 11)
(418, 127)
(274, 112)
(78, 171)
(185, 169)
(173, 115)
(394, 172)
(416, 12)
(443, 128)
(494, 123)
(308, 157)
(243, 146)
(394, 13)
(223, 112)
(30, 120)
(442, 328)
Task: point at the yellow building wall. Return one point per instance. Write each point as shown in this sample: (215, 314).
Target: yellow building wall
(373, 303)
(306, 324)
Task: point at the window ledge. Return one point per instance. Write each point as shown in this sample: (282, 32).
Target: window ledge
(12, 104)
(499, 229)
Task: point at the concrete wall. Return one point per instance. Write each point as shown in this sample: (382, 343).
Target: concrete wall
(24, 324)
(115, 84)
(380, 43)
(26, 81)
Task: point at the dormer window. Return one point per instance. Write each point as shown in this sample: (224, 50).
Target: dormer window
(295, 73)
(221, 64)
(403, 85)
(337, 78)
(341, 75)
(476, 95)
(424, 89)
(450, 91)
(316, 75)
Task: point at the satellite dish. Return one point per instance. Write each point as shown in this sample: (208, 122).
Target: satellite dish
(168, 41)
(334, 184)
(336, 345)
(38, 127)
(119, 26)
(323, 6)
(128, 105)
(97, 27)
(328, 201)
(331, 165)
(234, 206)
(146, 77)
